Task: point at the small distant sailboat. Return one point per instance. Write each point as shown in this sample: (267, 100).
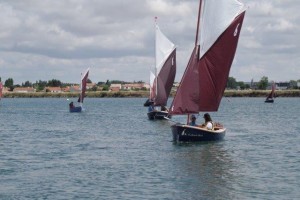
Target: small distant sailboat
(203, 83)
(84, 78)
(271, 96)
(162, 81)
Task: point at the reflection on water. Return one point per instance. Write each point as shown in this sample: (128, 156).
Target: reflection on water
(203, 169)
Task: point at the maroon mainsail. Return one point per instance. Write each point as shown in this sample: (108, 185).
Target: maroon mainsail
(165, 80)
(84, 79)
(203, 83)
(272, 93)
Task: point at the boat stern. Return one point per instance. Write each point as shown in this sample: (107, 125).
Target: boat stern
(186, 133)
(157, 115)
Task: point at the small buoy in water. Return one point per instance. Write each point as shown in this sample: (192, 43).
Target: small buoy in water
(67, 99)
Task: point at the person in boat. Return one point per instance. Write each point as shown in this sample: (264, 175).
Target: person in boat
(208, 122)
(151, 107)
(193, 121)
(164, 108)
(71, 105)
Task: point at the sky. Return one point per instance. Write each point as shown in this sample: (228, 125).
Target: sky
(59, 39)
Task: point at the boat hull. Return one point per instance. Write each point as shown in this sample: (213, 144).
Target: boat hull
(185, 133)
(269, 101)
(158, 115)
(76, 109)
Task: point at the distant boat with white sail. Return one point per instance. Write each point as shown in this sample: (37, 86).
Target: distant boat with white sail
(161, 82)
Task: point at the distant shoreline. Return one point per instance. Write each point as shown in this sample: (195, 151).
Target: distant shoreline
(145, 94)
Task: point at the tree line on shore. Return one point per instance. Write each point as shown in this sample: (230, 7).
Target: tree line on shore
(260, 85)
(145, 94)
(41, 85)
(231, 84)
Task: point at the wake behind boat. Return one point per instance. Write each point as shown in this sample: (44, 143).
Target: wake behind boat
(204, 81)
(84, 78)
(162, 80)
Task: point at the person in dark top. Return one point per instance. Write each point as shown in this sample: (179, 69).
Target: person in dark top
(71, 105)
(164, 108)
(151, 107)
(193, 121)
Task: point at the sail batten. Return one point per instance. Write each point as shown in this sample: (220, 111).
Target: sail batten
(204, 81)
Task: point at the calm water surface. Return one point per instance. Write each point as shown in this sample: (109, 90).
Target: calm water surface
(112, 151)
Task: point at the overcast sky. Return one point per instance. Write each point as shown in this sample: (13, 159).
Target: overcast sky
(46, 39)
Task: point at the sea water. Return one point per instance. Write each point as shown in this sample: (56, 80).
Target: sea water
(112, 151)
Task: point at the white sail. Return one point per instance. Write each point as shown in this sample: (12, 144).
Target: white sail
(215, 17)
(152, 78)
(163, 48)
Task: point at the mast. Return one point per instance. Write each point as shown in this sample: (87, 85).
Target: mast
(196, 43)
(150, 84)
(80, 96)
(155, 57)
(198, 23)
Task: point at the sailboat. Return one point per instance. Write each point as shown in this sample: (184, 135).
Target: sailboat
(84, 78)
(161, 82)
(204, 80)
(270, 97)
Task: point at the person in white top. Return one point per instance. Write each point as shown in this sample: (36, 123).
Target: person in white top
(208, 122)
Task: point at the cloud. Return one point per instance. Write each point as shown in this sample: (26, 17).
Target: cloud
(59, 39)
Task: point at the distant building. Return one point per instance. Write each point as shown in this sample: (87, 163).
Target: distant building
(24, 89)
(282, 85)
(53, 89)
(5, 90)
(147, 86)
(115, 87)
(66, 89)
(90, 85)
(135, 86)
(75, 88)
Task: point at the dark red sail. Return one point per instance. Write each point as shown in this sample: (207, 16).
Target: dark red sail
(272, 93)
(203, 83)
(84, 79)
(215, 65)
(165, 80)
